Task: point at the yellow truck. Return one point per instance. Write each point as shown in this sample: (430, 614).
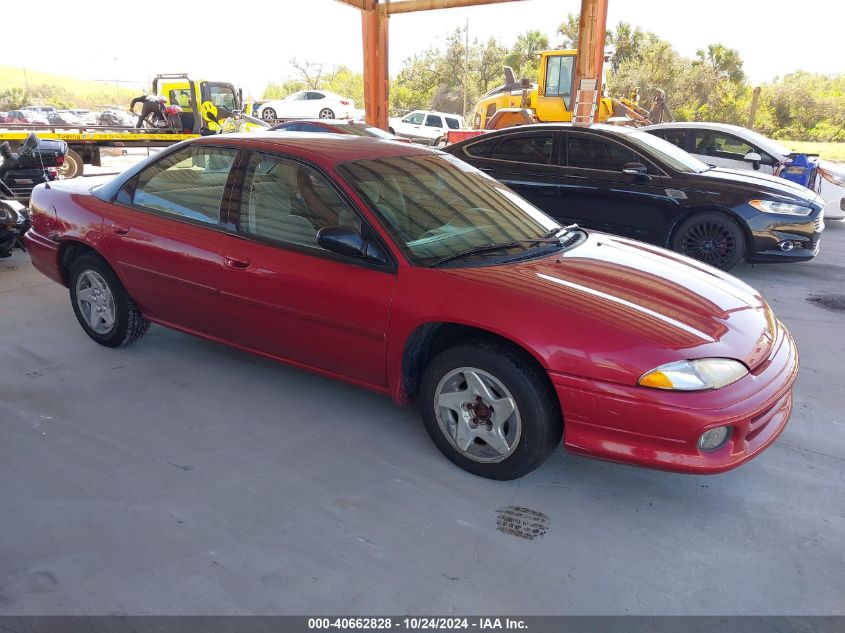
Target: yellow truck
(203, 104)
(552, 98)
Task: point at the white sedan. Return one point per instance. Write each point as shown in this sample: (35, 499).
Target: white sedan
(308, 104)
(737, 147)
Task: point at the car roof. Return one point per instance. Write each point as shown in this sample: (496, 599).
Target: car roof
(534, 127)
(704, 125)
(327, 122)
(319, 147)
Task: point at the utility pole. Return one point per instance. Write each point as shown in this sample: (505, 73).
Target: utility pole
(755, 103)
(466, 67)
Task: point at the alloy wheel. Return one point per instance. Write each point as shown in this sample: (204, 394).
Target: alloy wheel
(477, 414)
(95, 301)
(710, 242)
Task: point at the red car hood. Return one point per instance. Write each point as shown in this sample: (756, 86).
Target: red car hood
(635, 306)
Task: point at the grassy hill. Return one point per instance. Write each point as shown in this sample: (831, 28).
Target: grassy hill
(50, 88)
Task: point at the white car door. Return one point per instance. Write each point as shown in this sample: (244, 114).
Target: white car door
(316, 102)
(294, 106)
(433, 127)
(410, 126)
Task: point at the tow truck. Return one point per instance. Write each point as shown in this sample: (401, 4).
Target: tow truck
(204, 105)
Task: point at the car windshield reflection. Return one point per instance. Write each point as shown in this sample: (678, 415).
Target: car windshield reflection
(434, 211)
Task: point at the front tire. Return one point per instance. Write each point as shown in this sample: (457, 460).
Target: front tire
(712, 238)
(490, 410)
(269, 114)
(102, 305)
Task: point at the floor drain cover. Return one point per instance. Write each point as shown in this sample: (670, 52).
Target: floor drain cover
(829, 302)
(522, 522)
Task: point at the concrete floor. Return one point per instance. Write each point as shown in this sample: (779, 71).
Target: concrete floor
(177, 476)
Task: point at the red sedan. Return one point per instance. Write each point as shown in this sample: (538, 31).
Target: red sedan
(406, 271)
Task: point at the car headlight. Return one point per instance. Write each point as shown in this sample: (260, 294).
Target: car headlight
(694, 375)
(784, 208)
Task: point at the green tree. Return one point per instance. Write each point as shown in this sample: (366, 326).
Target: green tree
(523, 55)
(13, 99)
(725, 62)
(568, 30)
(626, 42)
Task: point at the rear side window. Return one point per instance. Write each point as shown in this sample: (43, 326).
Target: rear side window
(594, 153)
(453, 124)
(188, 183)
(674, 136)
(535, 148)
(481, 149)
(433, 121)
(314, 96)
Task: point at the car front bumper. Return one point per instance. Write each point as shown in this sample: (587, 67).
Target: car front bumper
(660, 429)
(784, 238)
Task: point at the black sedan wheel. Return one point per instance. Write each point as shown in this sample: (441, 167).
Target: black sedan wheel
(712, 238)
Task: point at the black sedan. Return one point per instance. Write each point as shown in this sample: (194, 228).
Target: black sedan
(628, 182)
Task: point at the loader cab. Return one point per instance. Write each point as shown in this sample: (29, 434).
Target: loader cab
(556, 92)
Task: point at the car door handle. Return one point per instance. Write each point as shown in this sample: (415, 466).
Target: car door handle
(237, 263)
(117, 229)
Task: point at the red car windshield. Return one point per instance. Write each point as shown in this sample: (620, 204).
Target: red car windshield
(436, 206)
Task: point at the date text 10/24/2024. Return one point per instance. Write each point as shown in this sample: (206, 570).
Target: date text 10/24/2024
(418, 624)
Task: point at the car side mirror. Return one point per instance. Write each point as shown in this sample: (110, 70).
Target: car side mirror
(635, 169)
(754, 158)
(345, 240)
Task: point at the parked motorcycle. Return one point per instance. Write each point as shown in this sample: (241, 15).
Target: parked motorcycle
(35, 163)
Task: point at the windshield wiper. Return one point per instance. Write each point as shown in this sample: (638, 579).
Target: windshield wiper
(560, 231)
(481, 248)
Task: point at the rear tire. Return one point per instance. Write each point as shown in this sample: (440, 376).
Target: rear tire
(712, 238)
(506, 432)
(94, 285)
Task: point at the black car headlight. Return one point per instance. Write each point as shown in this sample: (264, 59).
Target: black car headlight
(782, 208)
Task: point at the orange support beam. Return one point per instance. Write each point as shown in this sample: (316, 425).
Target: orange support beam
(590, 60)
(374, 28)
